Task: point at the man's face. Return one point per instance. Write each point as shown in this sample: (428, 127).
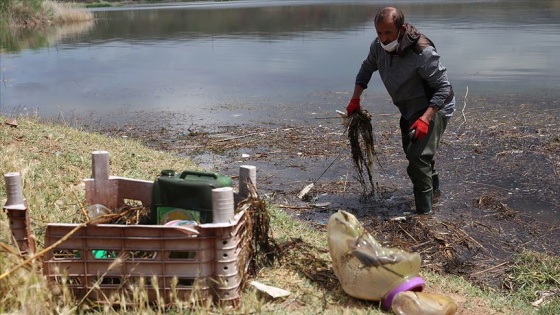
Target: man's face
(387, 31)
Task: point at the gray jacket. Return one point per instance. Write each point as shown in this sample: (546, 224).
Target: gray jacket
(413, 75)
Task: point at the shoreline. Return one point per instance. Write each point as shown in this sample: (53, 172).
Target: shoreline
(472, 214)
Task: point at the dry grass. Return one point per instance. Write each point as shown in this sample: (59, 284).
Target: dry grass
(64, 13)
(53, 160)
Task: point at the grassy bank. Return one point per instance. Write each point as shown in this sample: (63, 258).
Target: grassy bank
(31, 13)
(54, 158)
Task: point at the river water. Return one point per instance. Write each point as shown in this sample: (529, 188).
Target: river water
(282, 56)
(270, 61)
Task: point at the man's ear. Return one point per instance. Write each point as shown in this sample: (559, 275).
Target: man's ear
(403, 29)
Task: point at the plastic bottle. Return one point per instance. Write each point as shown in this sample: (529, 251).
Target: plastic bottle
(420, 303)
(365, 269)
(94, 212)
(97, 210)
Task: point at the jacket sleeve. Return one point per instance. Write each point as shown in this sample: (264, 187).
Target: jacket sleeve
(368, 67)
(435, 76)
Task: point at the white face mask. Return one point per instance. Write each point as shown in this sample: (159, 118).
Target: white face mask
(392, 45)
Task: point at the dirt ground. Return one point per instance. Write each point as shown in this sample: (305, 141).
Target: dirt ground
(499, 172)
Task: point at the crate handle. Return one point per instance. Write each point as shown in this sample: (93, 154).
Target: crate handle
(197, 173)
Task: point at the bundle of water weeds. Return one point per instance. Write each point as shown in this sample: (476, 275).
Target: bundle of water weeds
(132, 215)
(360, 134)
(262, 244)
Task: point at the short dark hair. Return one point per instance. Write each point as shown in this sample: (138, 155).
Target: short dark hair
(396, 15)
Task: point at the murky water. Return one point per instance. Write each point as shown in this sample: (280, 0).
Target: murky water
(268, 58)
(272, 61)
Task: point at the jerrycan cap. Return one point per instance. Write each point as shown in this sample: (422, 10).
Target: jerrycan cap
(167, 173)
(416, 284)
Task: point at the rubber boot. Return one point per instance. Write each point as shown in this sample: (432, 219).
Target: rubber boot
(423, 201)
(435, 185)
(435, 180)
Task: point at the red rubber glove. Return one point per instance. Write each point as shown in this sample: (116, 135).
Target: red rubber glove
(353, 106)
(421, 128)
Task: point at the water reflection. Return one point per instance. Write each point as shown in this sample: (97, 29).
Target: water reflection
(269, 22)
(15, 40)
(285, 19)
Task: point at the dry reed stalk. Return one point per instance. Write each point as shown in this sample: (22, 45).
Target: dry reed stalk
(43, 252)
(99, 220)
(463, 110)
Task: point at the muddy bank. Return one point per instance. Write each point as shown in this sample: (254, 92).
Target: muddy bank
(499, 171)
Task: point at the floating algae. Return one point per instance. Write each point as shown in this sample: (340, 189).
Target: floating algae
(360, 134)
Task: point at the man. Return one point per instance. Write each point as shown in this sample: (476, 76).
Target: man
(417, 82)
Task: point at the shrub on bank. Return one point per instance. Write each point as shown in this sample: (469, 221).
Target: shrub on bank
(29, 13)
(20, 12)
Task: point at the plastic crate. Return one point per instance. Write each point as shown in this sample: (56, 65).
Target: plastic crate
(172, 263)
(209, 261)
(19, 225)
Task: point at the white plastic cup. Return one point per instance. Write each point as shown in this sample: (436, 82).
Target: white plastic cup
(223, 210)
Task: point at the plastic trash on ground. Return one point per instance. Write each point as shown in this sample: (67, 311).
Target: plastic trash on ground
(421, 303)
(365, 269)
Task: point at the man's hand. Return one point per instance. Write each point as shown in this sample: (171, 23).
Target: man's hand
(353, 106)
(421, 127)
